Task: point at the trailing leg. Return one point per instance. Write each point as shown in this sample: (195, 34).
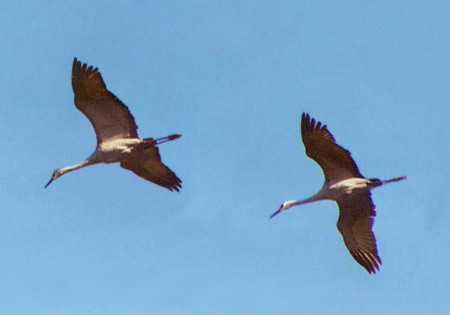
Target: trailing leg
(154, 142)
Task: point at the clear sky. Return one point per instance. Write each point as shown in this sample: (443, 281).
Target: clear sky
(233, 77)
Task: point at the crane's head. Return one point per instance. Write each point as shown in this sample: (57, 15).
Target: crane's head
(56, 174)
(284, 206)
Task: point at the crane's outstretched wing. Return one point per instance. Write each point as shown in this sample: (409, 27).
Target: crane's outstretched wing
(110, 118)
(355, 224)
(146, 163)
(335, 161)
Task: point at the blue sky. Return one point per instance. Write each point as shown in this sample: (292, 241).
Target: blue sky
(233, 77)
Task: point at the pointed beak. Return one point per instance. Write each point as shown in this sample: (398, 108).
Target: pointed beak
(276, 212)
(49, 182)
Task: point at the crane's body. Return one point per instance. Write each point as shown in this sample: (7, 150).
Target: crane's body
(118, 150)
(339, 190)
(114, 151)
(116, 130)
(345, 185)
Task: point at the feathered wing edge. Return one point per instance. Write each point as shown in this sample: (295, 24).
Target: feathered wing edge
(355, 223)
(146, 163)
(320, 145)
(108, 115)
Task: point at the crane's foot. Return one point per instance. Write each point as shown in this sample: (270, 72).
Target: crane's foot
(162, 140)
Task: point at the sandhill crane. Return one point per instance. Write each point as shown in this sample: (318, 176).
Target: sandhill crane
(345, 185)
(116, 130)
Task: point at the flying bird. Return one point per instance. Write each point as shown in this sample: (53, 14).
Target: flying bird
(116, 130)
(345, 185)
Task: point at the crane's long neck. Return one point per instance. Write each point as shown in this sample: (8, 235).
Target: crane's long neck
(60, 172)
(314, 198)
(72, 168)
(95, 158)
(289, 204)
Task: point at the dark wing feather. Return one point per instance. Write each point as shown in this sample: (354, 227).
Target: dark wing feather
(335, 161)
(110, 118)
(146, 163)
(355, 223)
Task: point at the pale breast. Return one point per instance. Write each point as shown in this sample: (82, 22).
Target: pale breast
(349, 186)
(115, 150)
